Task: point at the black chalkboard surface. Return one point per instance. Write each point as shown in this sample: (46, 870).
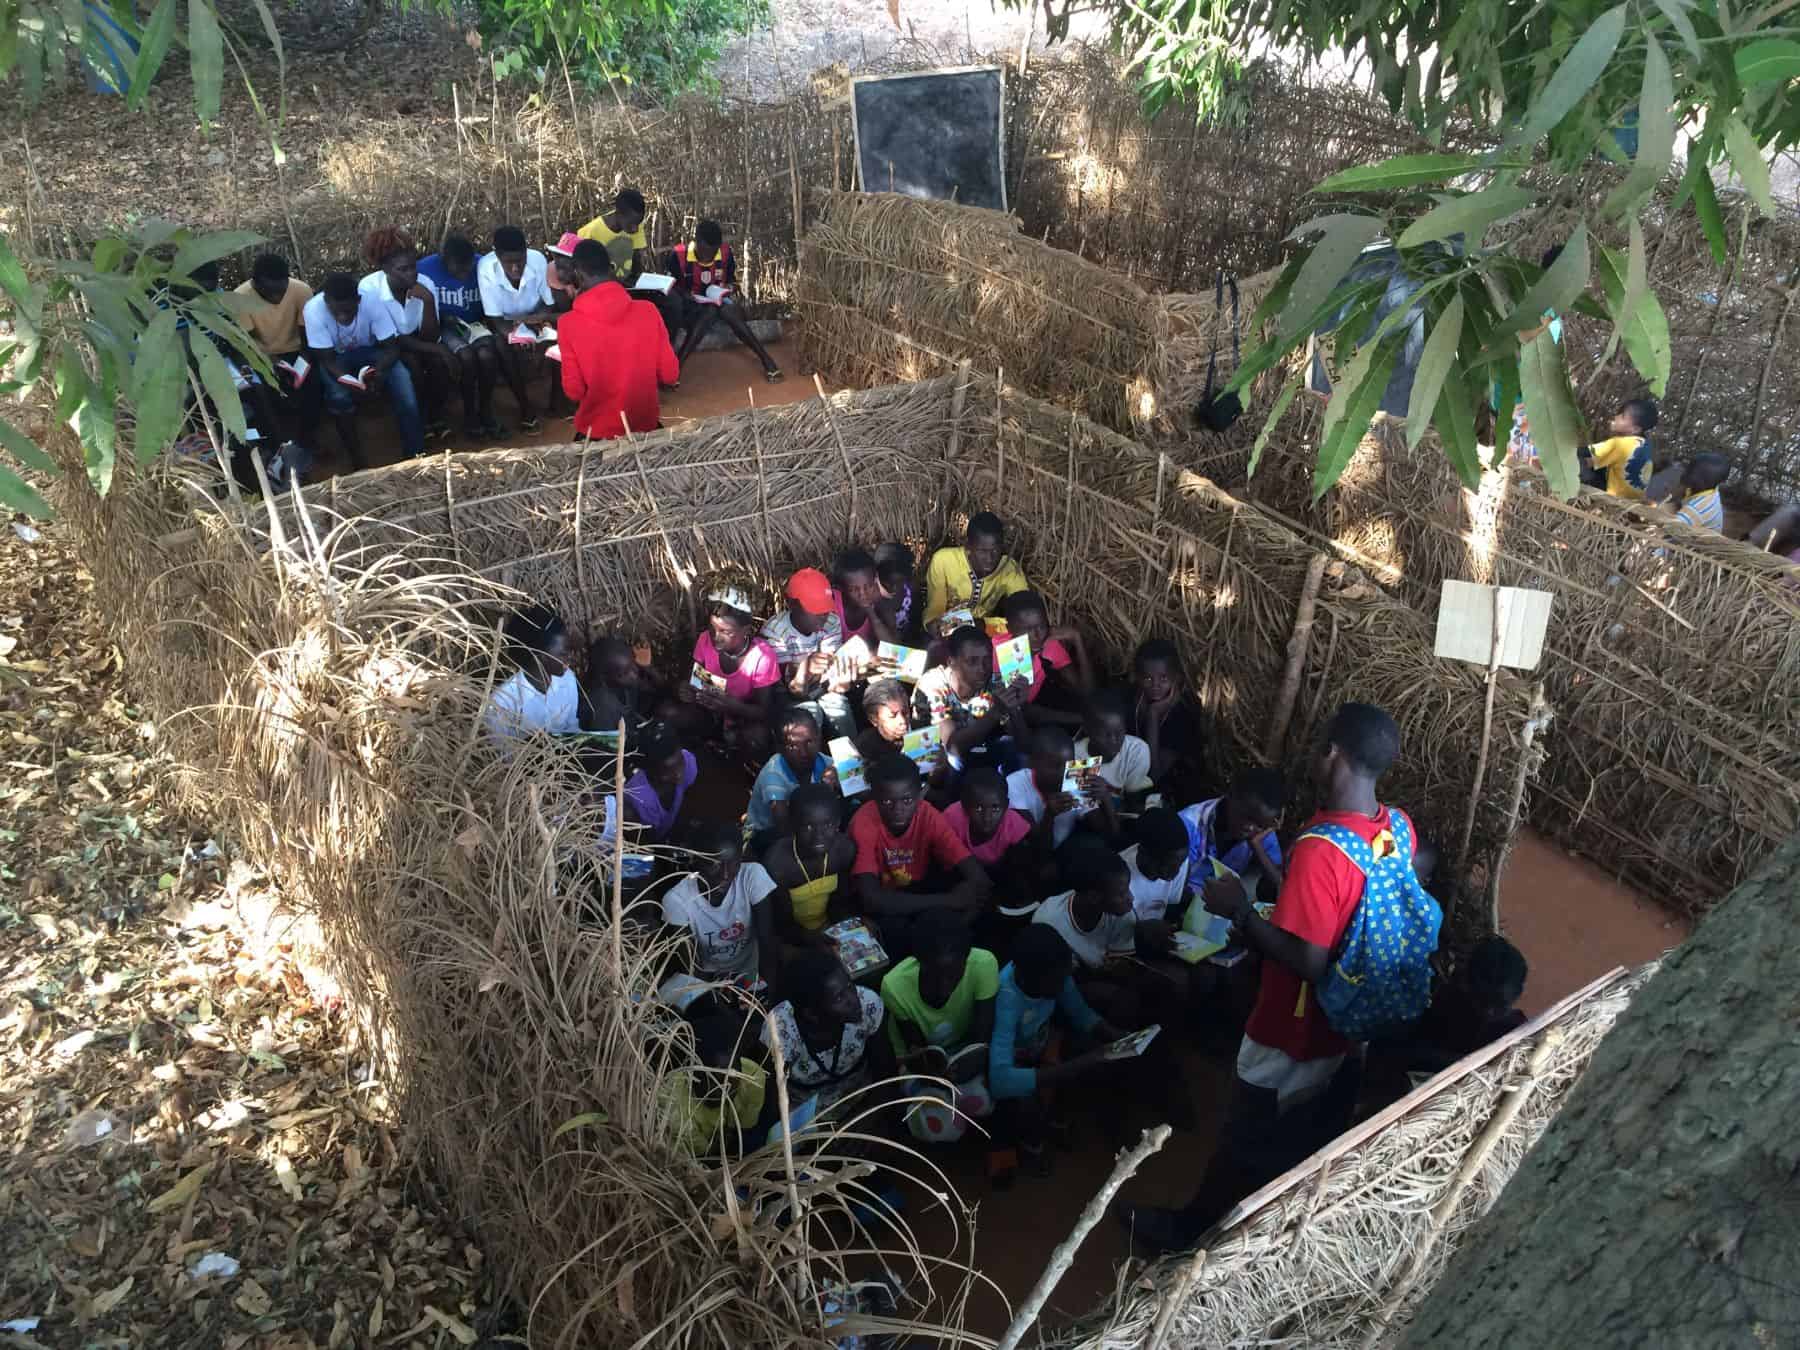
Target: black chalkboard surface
(934, 133)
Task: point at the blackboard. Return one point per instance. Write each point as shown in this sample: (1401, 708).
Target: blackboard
(934, 133)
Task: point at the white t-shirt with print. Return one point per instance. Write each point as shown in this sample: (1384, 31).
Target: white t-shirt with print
(725, 933)
(518, 708)
(829, 1074)
(1128, 769)
(405, 315)
(325, 333)
(1022, 795)
(1150, 900)
(500, 299)
(1115, 933)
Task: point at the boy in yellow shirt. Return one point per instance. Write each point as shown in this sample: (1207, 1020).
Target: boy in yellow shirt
(976, 577)
(1622, 463)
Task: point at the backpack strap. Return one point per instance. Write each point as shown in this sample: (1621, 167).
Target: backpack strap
(1347, 841)
(1212, 357)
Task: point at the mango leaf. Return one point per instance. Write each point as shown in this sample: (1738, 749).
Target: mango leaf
(24, 449)
(158, 384)
(1434, 364)
(1360, 389)
(1556, 289)
(1467, 215)
(1577, 74)
(16, 284)
(206, 58)
(221, 390)
(1275, 299)
(1555, 423)
(1455, 420)
(72, 383)
(152, 48)
(1345, 237)
(1747, 159)
(210, 248)
(1403, 171)
(1675, 11)
(18, 495)
(1706, 204)
(1280, 406)
(1770, 61)
(1637, 314)
(1656, 134)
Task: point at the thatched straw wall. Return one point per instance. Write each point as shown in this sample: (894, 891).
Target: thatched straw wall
(895, 288)
(1341, 1251)
(1673, 656)
(319, 669)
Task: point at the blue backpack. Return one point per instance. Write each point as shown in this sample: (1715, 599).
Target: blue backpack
(1380, 974)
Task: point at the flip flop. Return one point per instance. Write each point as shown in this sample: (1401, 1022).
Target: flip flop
(774, 375)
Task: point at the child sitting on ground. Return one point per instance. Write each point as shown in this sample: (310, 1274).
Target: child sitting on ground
(1701, 480)
(975, 577)
(720, 905)
(940, 1004)
(1036, 991)
(618, 687)
(998, 838)
(1238, 830)
(832, 1037)
(894, 570)
(724, 1104)
(796, 762)
(1060, 675)
(907, 859)
(1622, 463)
(705, 272)
(811, 868)
(748, 667)
(1164, 717)
(1036, 791)
(806, 639)
(1124, 759)
(1475, 1007)
(542, 694)
(1158, 864)
(654, 794)
(864, 610)
(964, 701)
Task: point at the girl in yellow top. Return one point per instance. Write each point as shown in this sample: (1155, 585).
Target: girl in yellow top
(810, 867)
(975, 577)
(1622, 463)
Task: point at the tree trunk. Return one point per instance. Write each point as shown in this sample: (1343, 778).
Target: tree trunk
(1662, 1206)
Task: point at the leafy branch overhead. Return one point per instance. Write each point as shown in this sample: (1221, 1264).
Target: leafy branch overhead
(1545, 91)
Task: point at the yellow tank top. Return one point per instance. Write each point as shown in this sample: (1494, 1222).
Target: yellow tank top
(810, 901)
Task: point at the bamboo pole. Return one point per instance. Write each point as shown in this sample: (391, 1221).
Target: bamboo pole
(1515, 1096)
(1298, 646)
(1064, 1255)
(843, 449)
(1487, 734)
(1537, 718)
(999, 427)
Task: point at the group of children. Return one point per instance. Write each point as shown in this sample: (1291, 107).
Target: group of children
(592, 318)
(965, 865)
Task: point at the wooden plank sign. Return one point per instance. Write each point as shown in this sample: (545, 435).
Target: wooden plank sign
(1469, 629)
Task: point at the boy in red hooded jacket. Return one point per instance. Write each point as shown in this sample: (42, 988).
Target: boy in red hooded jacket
(615, 352)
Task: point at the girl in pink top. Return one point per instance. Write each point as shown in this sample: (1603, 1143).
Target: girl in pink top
(1058, 649)
(862, 607)
(981, 818)
(730, 649)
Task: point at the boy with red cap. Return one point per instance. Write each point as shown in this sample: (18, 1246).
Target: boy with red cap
(806, 639)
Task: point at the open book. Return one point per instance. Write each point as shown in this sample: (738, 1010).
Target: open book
(715, 296)
(859, 949)
(924, 747)
(360, 380)
(1013, 657)
(525, 336)
(849, 766)
(553, 352)
(1075, 773)
(660, 282)
(473, 332)
(296, 370)
(702, 678)
(903, 663)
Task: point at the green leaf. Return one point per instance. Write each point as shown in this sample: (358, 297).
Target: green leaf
(1355, 398)
(1675, 11)
(1770, 61)
(206, 59)
(1557, 289)
(18, 495)
(271, 32)
(1747, 159)
(16, 284)
(1280, 406)
(1656, 135)
(24, 449)
(1345, 237)
(1638, 316)
(219, 386)
(210, 248)
(1408, 171)
(1434, 364)
(158, 383)
(1550, 407)
(576, 1122)
(1706, 204)
(94, 425)
(72, 383)
(1577, 74)
(1275, 299)
(153, 47)
(1455, 420)
(1467, 215)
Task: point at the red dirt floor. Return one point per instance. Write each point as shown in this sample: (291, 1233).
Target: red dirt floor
(1572, 921)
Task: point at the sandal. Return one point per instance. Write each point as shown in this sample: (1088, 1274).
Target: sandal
(773, 375)
(529, 425)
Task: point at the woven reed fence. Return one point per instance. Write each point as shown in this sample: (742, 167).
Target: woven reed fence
(319, 670)
(1342, 1250)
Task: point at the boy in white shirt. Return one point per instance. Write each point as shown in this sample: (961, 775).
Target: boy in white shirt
(720, 908)
(1124, 758)
(543, 694)
(346, 339)
(515, 292)
(411, 306)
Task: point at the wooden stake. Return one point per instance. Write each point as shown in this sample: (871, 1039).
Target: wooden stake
(1289, 692)
(959, 397)
(999, 426)
(1064, 1255)
(1487, 735)
(580, 486)
(1171, 1306)
(843, 450)
(618, 877)
(1156, 510)
(762, 476)
(1537, 719)
(1068, 499)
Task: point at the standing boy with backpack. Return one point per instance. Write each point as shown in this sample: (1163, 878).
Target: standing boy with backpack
(1346, 953)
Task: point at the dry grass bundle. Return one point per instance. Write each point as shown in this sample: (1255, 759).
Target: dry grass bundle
(1340, 1251)
(1671, 658)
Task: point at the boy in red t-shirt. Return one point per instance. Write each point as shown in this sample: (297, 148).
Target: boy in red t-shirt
(1297, 1079)
(902, 848)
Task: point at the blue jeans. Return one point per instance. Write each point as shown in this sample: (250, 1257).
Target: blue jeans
(402, 397)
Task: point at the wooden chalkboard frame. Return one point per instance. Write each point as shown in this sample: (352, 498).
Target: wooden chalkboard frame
(856, 135)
